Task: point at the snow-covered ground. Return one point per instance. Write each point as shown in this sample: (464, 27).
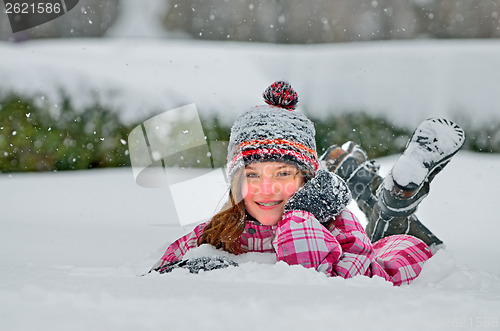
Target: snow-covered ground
(72, 245)
(406, 81)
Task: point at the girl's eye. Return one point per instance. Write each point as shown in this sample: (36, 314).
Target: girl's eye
(252, 175)
(284, 174)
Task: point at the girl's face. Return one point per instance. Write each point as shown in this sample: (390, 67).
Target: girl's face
(266, 189)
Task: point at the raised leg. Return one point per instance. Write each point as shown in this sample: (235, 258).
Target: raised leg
(390, 203)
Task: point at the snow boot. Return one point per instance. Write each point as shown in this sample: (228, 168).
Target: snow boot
(343, 160)
(428, 151)
(350, 163)
(361, 176)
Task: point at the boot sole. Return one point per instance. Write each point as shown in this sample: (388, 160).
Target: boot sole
(426, 154)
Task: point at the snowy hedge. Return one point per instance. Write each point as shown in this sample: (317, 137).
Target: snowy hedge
(36, 137)
(42, 136)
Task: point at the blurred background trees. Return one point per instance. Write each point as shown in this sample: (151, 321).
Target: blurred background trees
(321, 21)
(279, 21)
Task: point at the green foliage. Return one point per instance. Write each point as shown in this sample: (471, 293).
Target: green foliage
(39, 136)
(377, 136)
(217, 137)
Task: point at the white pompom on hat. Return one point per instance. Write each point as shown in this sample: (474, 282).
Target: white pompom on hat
(273, 132)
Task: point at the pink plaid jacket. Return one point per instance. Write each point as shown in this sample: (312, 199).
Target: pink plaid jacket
(343, 249)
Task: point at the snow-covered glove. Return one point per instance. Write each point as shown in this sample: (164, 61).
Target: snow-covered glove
(205, 263)
(324, 196)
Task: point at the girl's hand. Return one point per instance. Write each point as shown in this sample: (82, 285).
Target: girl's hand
(205, 263)
(324, 196)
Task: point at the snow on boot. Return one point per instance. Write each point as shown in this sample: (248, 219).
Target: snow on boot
(430, 148)
(428, 151)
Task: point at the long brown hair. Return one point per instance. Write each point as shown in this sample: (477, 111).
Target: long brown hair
(225, 228)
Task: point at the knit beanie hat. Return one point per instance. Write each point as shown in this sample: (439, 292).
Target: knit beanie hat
(273, 132)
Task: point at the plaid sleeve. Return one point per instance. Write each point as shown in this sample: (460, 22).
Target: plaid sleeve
(357, 250)
(301, 239)
(398, 258)
(401, 257)
(178, 248)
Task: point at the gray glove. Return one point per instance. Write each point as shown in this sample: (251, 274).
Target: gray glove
(205, 263)
(324, 196)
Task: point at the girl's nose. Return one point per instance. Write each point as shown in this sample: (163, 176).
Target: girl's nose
(268, 185)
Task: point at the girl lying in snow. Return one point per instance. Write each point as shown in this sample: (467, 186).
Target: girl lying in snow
(286, 200)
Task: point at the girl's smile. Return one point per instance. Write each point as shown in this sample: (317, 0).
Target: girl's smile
(267, 188)
(268, 204)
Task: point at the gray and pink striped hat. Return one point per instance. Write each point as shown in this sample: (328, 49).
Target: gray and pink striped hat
(273, 132)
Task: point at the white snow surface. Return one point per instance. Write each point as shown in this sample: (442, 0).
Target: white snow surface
(74, 244)
(406, 81)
